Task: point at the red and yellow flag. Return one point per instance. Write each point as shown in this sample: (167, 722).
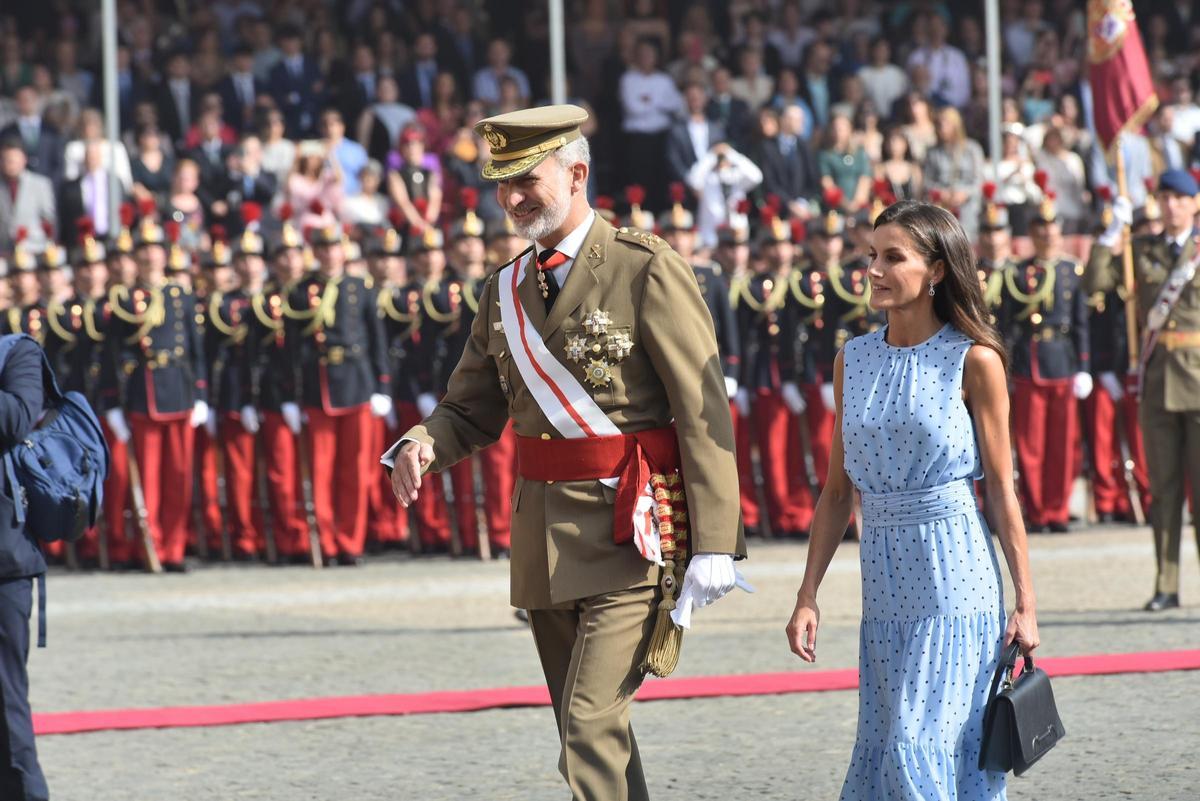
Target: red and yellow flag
(1122, 90)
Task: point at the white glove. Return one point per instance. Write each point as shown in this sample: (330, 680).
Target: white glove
(210, 425)
(291, 416)
(390, 419)
(426, 403)
(731, 387)
(1112, 385)
(250, 419)
(709, 578)
(741, 399)
(1082, 386)
(827, 397)
(381, 405)
(200, 414)
(1122, 217)
(116, 422)
(792, 398)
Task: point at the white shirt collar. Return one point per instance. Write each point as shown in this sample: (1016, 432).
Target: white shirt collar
(1180, 240)
(572, 242)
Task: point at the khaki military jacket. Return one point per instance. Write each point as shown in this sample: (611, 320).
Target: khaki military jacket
(1172, 379)
(562, 532)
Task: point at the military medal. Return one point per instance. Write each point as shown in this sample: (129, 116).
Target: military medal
(542, 285)
(619, 346)
(597, 322)
(576, 347)
(598, 373)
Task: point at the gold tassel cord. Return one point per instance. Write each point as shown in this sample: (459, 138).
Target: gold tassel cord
(666, 640)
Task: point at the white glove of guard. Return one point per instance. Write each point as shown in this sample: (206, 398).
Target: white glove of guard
(741, 399)
(792, 398)
(731, 387)
(210, 425)
(200, 414)
(116, 422)
(1112, 385)
(1082, 386)
(426, 403)
(391, 420)
(1122, 211)
(381, 405)
(827, 397)
(709, 578)
(291, 416)
(250, 420)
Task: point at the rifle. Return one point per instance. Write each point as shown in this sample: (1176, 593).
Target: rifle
(139, 505)
(310, 509)
(1127, 463)
(485, 545)
(260, 479)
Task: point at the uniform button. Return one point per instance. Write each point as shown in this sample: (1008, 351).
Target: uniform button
(545, 436)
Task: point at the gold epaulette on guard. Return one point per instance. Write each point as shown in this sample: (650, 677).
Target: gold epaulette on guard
(646, 239)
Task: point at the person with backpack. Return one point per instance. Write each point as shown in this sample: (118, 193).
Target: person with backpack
(21, 397)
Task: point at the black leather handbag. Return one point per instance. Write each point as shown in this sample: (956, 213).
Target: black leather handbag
(1021, 723)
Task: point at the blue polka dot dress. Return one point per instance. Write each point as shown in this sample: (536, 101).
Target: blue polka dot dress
(933, 613)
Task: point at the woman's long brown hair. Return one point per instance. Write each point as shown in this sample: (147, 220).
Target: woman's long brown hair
(936, 234)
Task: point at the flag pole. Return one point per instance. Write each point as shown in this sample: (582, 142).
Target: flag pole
(1131, 309)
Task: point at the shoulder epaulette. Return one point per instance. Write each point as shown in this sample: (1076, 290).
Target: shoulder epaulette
(646, 239)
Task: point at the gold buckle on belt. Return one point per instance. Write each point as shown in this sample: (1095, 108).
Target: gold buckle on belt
(335, 355)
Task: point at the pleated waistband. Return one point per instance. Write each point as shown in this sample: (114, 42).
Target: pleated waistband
(918, 506)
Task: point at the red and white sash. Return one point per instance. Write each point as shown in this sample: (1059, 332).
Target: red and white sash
(561, 397)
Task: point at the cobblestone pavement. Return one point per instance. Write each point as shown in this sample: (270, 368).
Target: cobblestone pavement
(237, 634)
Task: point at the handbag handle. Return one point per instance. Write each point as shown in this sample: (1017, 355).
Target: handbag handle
(1008, 662)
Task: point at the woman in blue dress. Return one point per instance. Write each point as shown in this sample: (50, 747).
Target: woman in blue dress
(922, 406)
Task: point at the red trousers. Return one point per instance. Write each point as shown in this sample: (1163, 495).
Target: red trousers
(1044, 432)
(164, 453)
(789, 499)
(433, 522)
(212, 527)
(498, 467)
(1106, 418)
(387, 520)
(820, 430)
(285, 493)
(241, 485)
(743, 437)
(122, 546)
(340, 474)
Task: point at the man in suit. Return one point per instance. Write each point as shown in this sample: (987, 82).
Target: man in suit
(177, 99)
(600, 334)
(358, 84)
(243, 181)
(87, 197)
(1169, 368)
(416, 85)
(787, 163)
(239, 90)
(42, 143)
(692, 137)
(26, 198)
(730, 112)
(21, 561)
(296, 84)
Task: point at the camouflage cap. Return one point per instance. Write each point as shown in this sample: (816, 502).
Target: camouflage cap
(521, 140)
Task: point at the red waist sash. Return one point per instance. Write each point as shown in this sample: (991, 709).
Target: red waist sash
(629, 457)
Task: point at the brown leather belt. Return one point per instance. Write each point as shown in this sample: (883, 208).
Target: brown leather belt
(1176, 340)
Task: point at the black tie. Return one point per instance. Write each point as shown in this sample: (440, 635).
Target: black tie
(1176, 249)
(547, 260)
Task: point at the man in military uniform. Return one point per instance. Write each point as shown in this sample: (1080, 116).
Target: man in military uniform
(618, 311)
(335, 341)
(155, 371)
(1046, 309)
(26, 313)
(1168, 308)
(995, 254)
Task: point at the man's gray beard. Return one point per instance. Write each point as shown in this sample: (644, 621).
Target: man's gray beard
(550, 218)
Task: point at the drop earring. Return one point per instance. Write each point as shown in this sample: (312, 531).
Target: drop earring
(931, 291)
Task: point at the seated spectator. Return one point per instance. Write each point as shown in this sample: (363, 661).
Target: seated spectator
(152, 168)
(1014, 179)
(411, 182)
(816, 83)
(279, 152)
(366, 208)
(245, 181)
(349, 155)
(918, 125)
(69, 76)
(954, 170)
(296, 84)
(87, 195)
(42, 143)
(184, 204)
(315, 176)
(381, 122)
(440, 121)
(692, 136)
(240, 90)
(26, 198)
(787, 163)
(1067, 178)
(416, 85)
(787, 93)
(752, 85)
(485, 85)
(898, 168)
(649, 102)
(947, 67)
(866, 131)
(790, 36)
(15, 71)
(843, 165)
(210, 124)
(731, 112)
(91, 127)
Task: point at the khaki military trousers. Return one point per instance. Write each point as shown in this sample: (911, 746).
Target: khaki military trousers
(590, 654)
(1172, 444)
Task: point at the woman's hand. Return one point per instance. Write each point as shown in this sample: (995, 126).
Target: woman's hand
(1022, 627)
(802, 629)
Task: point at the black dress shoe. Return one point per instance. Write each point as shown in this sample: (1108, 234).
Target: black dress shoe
(501, 553)
(123, 567)
(1107, 517)
(175, 567)
(330, 561)
(752, 531)
(521, 615)
(1162, 600)
(1058, 528)
(348, 560)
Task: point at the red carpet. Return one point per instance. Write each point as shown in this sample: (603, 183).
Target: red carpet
(801, 681)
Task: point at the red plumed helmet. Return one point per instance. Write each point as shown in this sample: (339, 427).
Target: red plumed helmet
(766, 215)
(989, 190)
(1104, 192)
(316, 207)
(48, 229)
(285, 211)
(1195, 171)
(743, 206)
(677, 192)
(635, 195)
(22, 233)
(832, 197)
(469, 197)
(421, 205)
(773, 202)
(604, 202)
(799, 230)
(1040, 178)
(218, 233)
(85, 226)
(935, 196)
(396, 218)
(126, 215)
(1150, 184)
(172, 229)
(146, 207)
(251, 212)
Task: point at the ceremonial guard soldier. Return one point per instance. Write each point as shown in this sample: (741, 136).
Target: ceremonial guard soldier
(272, 374)
(611, 319)
(26, 313)
(210, 536)
(1045, 307)
(1168, 310)
(765, 371)
(155, 370)
(995, 254)
(387, 522)
(335, 341)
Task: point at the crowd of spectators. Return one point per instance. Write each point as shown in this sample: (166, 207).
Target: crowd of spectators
(352, 109)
